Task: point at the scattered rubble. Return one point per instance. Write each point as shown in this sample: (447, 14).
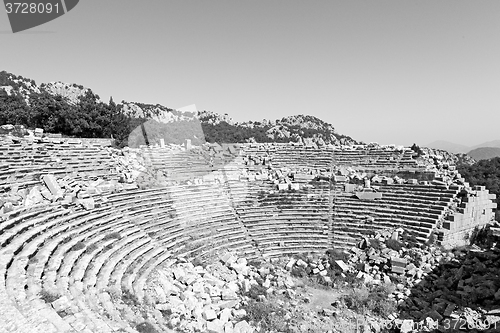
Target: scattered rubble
(433, 287)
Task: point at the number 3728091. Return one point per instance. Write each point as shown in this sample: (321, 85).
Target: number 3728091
(476, 323)
(31, 8)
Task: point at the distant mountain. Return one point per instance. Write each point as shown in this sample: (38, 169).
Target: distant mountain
(494, 143)
(484, 153)
(450, 147)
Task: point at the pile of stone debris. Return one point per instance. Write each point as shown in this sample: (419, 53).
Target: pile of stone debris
(200, 299)
(61, 190)
(213, 298)
(433, 286)
(80, 191)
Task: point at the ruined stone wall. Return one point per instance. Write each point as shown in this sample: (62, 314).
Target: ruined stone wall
(475, 210)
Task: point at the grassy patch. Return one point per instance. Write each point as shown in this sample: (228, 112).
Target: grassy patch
(130, 298)
(370, 300)
(268, 315)
(91, 248)
(255, 263)
(255, 291)
(78, 246)
(375, 243)
(113, 235)
(145, 327)
(48, 296)
(394, 244)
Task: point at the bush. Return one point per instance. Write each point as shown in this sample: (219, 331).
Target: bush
(91, 248)
(298, 272)
(255, 291)
(145, 327)
(199, 262)
(255, 263)
(370, 300)
(394, 244)
(375, 243)
(410, 239)
(269, 316)
(113, 235)
(478, 236)
(48, 296)
(336, 254)
(78, 246)
(129, 298)
(432, 238)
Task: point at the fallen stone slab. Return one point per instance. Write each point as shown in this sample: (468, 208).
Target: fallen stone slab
(342, 265)
(51, 183)
(243, 327)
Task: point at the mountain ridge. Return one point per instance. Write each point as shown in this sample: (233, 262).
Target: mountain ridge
(74, 110)
(458, 148)
(484, 153)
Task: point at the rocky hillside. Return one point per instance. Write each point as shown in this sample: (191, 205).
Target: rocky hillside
(300, 128)
(444, 156)
(74, 110)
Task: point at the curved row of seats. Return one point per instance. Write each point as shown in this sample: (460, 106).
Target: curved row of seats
(89, 260)
(417, 208)
(309, 157)
(23, 163)
(187, 164)
(64, 269)
(282, 223)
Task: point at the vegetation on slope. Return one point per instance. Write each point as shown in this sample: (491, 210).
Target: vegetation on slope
(484, 153)
(75, 111)
(484, 173)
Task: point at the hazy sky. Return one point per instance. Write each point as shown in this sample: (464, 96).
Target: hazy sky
(386, 71)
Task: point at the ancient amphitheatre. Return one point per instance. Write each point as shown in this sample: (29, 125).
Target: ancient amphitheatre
(161, 238)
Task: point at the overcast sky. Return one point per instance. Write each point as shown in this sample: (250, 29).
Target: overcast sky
(386, 71)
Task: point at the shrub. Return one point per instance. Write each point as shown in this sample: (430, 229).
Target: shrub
(268, 315)
(166, 313)
(113, 235)
(78, 246)
(129, 298)
(371, 300)
(48, 296)
(336, 254)
(432, 238)
(145, 327)
(298, 272)
(375, 243)
(199, 262)
(115, 293)
(255, 263)
(255, 291)
(478, 236)
(91, 248)
(33, 260)
(394, 244)
(410, 239)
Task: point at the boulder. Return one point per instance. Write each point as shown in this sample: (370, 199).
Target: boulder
(243, 327)
(342, 265)
(209, 314)
(215, 326)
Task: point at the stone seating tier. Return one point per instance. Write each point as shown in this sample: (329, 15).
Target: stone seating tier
(133, 232)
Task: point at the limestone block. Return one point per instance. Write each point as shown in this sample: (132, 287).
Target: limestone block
(209, 314)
